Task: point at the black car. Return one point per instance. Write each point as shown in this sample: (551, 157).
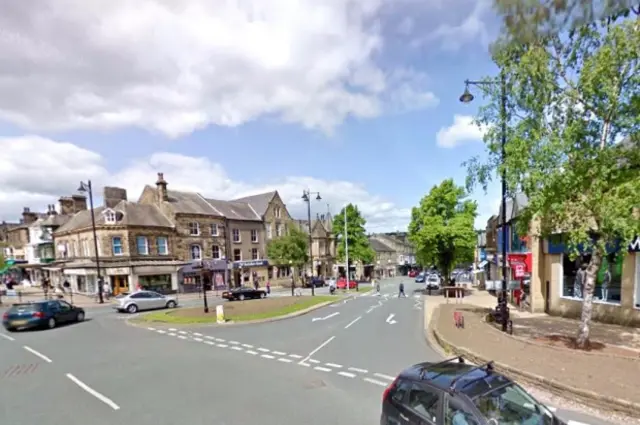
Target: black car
(41, 314)
(453, 392)
(244, 293)
(316, 282)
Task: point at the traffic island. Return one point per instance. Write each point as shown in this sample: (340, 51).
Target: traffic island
(599, 380)
(248, 311)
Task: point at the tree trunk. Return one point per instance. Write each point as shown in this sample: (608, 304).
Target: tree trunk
(584, 329)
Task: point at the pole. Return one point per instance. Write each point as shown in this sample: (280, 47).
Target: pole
(204, 289)
(313, 293)
(503, 112)
(95, 242)
(346, 247)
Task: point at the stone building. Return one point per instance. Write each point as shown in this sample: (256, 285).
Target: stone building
(17, 237)
(136, 247)
(386, 259)
(323, 245)
(404, 250)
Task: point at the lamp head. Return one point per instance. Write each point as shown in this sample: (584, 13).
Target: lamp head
(466, 97)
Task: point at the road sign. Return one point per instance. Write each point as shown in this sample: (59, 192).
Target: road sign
(519, 271)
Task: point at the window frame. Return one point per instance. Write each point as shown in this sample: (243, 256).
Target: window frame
(166, 245)
(269, 231)
(234, 233)
(113, 246)
(238, 251)
(191, 251)
(254, 232)
(146, 244)
(194, 226)
(215, 248)
(212, 227)
(423, 386)
(595, 292)
(256, 252)
(110, 217)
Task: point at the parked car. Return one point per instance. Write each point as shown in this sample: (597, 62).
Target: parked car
(316, 282)
(433, 282)
(455, 392)
(342, 284)
(243, 293)
(420, 278)
(41, 314)
(143, 300)
(413, 273)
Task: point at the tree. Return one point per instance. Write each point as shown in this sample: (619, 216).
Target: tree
(527, 19)
(291, 248)
(358, 242)
(571, 100)
(441, 227)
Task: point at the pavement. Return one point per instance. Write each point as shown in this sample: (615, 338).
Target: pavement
(328, 366)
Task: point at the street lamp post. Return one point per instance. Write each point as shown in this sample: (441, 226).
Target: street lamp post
(467, 97)
(86, 187)
(306, 197)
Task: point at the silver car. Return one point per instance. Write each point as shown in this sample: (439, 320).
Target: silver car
(143, 300)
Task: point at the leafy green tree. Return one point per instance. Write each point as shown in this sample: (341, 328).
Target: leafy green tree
(527, 19)
(572, 139)
(441, 227)
(359, 247)
(291, 248)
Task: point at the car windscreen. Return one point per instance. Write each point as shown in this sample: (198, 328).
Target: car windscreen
(512, 405)
(25, 308)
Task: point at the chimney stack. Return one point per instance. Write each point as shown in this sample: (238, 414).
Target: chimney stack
(161, 185)
(28, 217)
(113, 195)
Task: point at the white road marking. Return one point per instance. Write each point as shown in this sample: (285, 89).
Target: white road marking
(347, 374)
(313, 361)
(172, 329)
(197, 334)
(198, 339)
(93, 392)
(222, 345)
(264, 350)
(383, 376)
(182, 337)
(279, 353)
(305, 364)
(285, 360)
(355, 369)
(390, 319)
(267, 356)
(210, 342)
(234, 342)
(295, 356)
(374, 381)
(182, 332)
(247, 345)
(320, 347)
(371, 309)
(253, 353)
(235, 347)
(209, 337)
(352, 322)
(325, 317)
(571, 422)
(34, 352)
(152, 329)
(219, 339)
(160, 331)
(172, 334)
(322, 369)
(334, 365)
(7, 337)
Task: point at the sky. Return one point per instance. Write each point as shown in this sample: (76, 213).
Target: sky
(355, 99)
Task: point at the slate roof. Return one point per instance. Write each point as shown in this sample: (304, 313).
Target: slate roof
(260, 202)
(128, 213)
(234, 210)
(56, 220)
(514, 206)
(378, 246)
(190, 203)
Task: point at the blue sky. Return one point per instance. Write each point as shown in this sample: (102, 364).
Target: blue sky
(367, 133)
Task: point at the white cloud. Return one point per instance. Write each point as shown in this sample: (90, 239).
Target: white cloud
(175, 67)
(463, 130)
(35, 172)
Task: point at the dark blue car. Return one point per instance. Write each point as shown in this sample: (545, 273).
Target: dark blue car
(420, 278)
(41, 314)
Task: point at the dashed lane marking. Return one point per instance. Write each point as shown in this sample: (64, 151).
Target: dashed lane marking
(285, 360)
(322, 369)
(253, 353)
(279, 353)
(347, 374)
(358, 370)
(383, 376)
(7, 337)
(375, 381)
(334, 365)
(268, 356)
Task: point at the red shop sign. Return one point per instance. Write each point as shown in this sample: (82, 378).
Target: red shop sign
(519, 270)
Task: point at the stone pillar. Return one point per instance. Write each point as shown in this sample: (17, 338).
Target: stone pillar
(537, 285)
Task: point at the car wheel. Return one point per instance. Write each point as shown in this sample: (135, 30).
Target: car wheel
(80, 317)
(132, 308)
(51, 323)
(171, 304)
(11, 329)
(263, 295)
(241, 297)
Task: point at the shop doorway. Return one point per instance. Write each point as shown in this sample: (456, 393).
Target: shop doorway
(119, 284)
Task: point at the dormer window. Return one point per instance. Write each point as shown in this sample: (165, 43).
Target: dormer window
(110, 216)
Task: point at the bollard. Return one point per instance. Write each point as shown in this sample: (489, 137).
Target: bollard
(19, 296)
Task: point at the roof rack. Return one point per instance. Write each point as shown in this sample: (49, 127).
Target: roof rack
(460, 359)
(488, 366)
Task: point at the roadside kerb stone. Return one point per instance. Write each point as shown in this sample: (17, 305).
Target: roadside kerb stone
(131, 321)
(591, 398)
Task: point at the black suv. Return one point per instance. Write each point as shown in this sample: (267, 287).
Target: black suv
(453, 392)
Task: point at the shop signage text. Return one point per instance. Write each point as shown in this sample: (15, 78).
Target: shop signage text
(250, 263)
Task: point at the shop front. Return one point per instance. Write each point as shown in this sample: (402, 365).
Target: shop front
(193, 276)
(162, 279)
(616, 294)
(250, 272)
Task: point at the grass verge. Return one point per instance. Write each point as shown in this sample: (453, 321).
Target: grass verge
(236, 311)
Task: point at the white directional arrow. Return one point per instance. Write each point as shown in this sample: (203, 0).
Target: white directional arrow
(390, 319)
(315, 319)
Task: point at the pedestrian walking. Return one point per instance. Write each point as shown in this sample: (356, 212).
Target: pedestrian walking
(401, 291)
(268, 287)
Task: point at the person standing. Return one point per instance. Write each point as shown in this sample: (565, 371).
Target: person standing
(401, 291)
(578, 283)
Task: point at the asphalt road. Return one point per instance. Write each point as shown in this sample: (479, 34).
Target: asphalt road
(329, 366)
